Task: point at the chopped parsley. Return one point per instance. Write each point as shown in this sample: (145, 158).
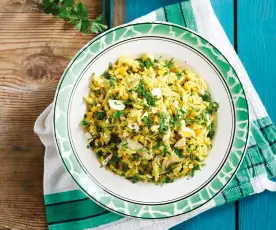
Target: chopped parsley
(212, 132)
(143, 92)
(166, 180)
(169, 64)
(134, 179)
(136, 157)
(112, 81)
(212, 108)
(159, 143)
(192, 171)
(117, 114)
(106, 75)
(178, 152)
(165, 151)
(206, 97)
(148, 121)
(100, 115)
(163, 123)
(85, 123)
(179, 116)
(170, 84)
(146, 64)
(179, 76)
(128, 102)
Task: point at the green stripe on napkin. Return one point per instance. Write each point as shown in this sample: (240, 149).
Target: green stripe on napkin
(64, 197)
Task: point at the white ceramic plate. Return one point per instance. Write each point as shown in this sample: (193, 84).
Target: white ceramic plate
(145, 200)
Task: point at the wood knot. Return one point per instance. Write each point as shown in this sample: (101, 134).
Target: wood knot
(37, 66)
(43, 69)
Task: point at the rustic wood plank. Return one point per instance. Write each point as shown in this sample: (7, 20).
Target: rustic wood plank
(256, 48)
(117, 12)
(34, 50)
(34, 6)
(21, 194)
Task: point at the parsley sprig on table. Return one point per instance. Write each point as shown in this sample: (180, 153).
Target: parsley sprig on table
(76, 14)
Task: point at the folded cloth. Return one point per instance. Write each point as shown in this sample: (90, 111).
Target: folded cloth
(68, 208)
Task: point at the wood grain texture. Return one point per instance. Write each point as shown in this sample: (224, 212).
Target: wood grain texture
(257, 50)
(34, 51)
(118, 12)
(13, 6)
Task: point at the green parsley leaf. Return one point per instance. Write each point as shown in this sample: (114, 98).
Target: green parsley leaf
(206, 97)
(212, 132)
(148, 121)
(195, 168)
(163, 123)
(136, 157)
(76, 14)
(159, 143)
(128, 102)
(135, 179)
(98, 25)
(178, 152)
(148, 63)
(83, 25)
(179, 76)
(117, 114)
(143, 92)
(170, 84)
(85, 123)
(169, 180)
(112, 81)
(100, 115)
(165, 151)
(169, 64)
(212, 108)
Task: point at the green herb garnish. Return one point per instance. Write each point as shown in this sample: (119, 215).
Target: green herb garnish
(212, 132)
(85, 123)
(112, 81)
(206, 97)
(212, 108)
(136, 157)
(159, 143)
(163, 123)
(135, 179)
(179, 76)
(178, 152)
(76, 14)
(100, 115)
(118, 114)
(148, 121)
(143, 92)
(169, 64)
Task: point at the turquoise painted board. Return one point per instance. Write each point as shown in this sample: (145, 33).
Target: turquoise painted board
(257, 50)
(221, 218)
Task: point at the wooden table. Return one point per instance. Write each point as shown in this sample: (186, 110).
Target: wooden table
(34, 50)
